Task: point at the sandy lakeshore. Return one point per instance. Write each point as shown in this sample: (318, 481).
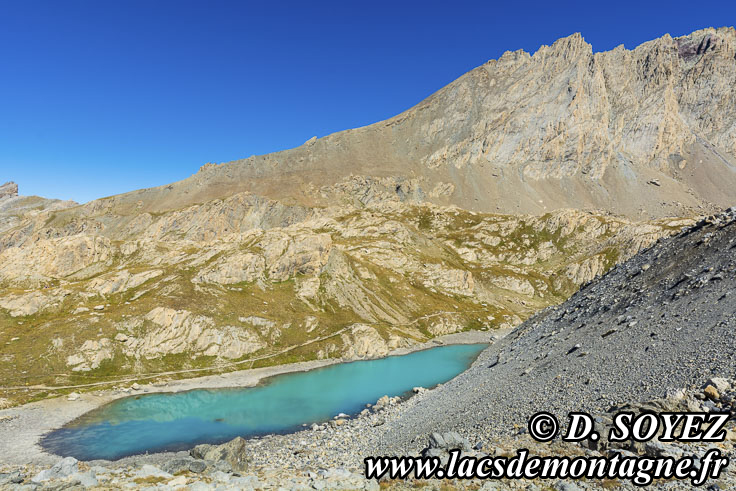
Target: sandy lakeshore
(22, 427)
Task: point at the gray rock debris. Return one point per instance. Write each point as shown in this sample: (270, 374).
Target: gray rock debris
(65, 467)
(15, 477)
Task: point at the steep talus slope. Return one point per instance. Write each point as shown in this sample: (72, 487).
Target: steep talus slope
(562, 128)
(663, 320)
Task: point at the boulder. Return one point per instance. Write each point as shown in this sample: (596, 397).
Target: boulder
(86, 479)
(64, 468)
(449, 441)
(721, 384)
(711, 393)
(151, 471)
(246, 482)
(233, 452)
(176, 466)
(567, 486)
(15, 477)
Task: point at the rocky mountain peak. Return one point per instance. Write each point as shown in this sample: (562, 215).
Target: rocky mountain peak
(8, 190)
(721, 40)
(569, 47)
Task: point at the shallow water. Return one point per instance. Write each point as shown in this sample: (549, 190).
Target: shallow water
(177, 421)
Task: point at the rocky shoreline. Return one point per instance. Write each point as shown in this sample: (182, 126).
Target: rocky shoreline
(329, 455)
(23, 426)
(323, 456)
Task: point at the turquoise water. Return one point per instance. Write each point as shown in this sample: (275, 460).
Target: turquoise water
(177, 421)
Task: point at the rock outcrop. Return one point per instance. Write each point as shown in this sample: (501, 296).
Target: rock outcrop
(179, 331)
(8, 190)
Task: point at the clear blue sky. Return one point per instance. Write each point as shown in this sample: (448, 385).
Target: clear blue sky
(100, 97)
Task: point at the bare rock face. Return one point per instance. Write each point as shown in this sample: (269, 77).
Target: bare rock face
(444, 323)
(364, 342)
(518, 285)
(90, 355)
(24, 304)
(587, 270)
(232, 269)
(451, 280)
(287, 256)
(122, 281)
(8, 190)
(179, 331)
(53, 258)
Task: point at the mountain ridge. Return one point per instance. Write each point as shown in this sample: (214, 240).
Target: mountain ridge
(676, 142)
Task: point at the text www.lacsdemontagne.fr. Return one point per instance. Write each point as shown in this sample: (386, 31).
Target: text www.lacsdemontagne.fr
(640, 470)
